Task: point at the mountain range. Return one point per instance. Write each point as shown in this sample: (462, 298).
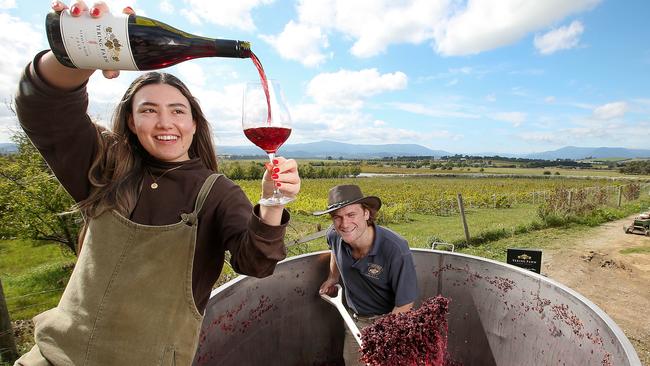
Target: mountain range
(577, 153)
(324, 149)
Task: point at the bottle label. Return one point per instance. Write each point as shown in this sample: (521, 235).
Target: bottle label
(98, 43)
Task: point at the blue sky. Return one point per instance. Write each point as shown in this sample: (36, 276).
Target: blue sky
(498, 76)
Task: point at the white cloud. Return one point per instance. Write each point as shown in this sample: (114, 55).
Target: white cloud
(19, 42)
(453, 27)
(235, 14)
(549, 99)
(300, 42)
(491, 97)
(166, 7)
(594, 134)
(610, 111)
(7, 4)
(191, 17)
(516, 118)
(548, 137)
(562, 38)
(191, 73)
(322, 122)
(486, 25)
(452, 82)
(374, 24)
(431, 111)
(347, 88)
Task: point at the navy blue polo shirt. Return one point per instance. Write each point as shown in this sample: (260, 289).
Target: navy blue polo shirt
(381, 280)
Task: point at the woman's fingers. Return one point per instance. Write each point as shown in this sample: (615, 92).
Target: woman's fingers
(286, 176)
(128, 10)
(58, 6)
(111, 74)
(98, 9)
(78, 8)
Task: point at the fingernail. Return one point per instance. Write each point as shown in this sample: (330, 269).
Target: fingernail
(94, 12)
(276, 161)
(278, 184)
(75, 10)
(276, 170)
(274, 176)
(130, 8)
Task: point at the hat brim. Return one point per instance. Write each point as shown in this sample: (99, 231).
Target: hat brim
(373, 202)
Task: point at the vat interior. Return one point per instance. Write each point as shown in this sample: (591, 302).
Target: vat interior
(498, 315)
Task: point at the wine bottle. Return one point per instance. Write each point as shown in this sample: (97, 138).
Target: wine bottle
(129, 42)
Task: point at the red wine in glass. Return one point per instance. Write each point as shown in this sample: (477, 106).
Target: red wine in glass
(268, 139)
(266, 122)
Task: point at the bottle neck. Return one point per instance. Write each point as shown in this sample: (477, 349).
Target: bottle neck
(230, 48)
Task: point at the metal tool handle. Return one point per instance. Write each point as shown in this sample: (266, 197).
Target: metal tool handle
(337, 301)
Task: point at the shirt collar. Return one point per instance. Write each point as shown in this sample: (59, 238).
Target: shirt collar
(379, 238)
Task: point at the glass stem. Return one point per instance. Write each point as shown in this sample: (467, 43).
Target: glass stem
(276, 190)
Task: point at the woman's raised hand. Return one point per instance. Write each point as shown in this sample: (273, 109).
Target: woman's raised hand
(95, 11)
(282, 174)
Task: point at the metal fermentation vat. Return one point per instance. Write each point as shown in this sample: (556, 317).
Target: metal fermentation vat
(498, 315)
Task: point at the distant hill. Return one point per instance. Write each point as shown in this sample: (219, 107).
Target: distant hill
(577, 153)
(323, 149)
(7, 148)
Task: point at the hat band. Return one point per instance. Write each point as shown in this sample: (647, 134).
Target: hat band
(338, 204)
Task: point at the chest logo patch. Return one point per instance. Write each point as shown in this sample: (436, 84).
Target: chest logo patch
(374, 270)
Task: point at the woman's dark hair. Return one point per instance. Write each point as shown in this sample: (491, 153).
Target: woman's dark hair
(116, 171)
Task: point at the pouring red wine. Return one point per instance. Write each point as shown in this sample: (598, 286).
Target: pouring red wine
(266, 121)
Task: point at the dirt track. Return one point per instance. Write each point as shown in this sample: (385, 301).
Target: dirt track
(618, 283)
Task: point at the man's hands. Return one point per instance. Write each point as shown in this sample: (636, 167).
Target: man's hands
(328, 287)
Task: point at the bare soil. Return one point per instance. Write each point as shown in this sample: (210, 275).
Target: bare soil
(618, 283)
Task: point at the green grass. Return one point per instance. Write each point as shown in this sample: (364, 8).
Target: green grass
(424, 229)
(33, 275)
(637, 250)
(540, 239)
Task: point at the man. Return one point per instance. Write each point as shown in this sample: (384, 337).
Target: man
(373, 262)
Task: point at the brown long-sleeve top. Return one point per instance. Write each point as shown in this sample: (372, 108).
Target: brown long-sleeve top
(59, 127)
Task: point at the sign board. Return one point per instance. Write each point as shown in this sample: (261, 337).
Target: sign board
(530, 259)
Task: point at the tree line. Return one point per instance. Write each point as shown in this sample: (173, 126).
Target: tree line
(254, 170)
(636, 167)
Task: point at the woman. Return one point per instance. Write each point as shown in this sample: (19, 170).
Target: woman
(158, 220)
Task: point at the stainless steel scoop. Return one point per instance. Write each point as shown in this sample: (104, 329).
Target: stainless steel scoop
(337, 301)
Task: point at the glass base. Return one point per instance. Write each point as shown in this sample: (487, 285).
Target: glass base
(276, 201)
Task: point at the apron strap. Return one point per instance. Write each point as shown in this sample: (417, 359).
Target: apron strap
(192, 218)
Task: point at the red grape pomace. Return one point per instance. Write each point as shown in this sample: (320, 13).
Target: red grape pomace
(414, 338)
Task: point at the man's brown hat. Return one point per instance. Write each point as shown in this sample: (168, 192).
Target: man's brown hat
(347, 194)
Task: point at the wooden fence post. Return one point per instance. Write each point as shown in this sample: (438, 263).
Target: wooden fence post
(462, 215)
(570, 199)
(620, 195)
(8, 352)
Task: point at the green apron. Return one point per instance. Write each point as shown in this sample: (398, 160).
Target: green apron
(129, 300)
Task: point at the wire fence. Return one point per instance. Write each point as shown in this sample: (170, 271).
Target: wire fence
(573, 197)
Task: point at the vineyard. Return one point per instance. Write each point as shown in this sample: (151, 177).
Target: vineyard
(405, 196)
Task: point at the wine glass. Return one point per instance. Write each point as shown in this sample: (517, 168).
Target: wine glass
(267, 124)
